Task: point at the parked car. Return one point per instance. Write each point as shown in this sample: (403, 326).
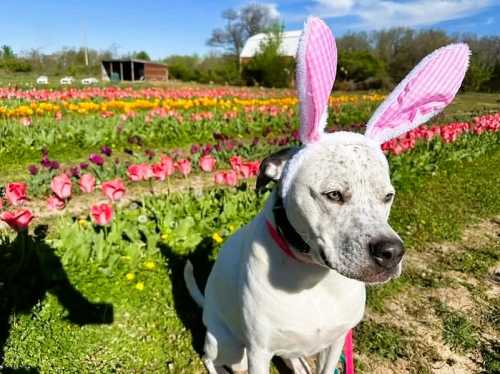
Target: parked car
(67, 80)
(42, 79)
(90, 81)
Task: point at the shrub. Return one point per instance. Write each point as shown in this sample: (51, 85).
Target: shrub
(268, 67)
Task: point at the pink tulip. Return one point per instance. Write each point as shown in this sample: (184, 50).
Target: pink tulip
(113, 189)
(18, 220)
(231, 178)
(168, 163)
(159, 171)
(15, 193)
(207, 163)
(245, 170)
(25, 121)
(54, 203)
(219, 177)
(139, 172)
(61, 186)
(184, 166)
(235, 162)
(102, 214)
(87, 183)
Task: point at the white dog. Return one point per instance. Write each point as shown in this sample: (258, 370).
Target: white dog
(291, 283)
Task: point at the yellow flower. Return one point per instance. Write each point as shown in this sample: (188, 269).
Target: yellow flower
(139, 286)
(217, 238)
(130, 276)
(164, 237)
(150, 265)
(231, 228)
(82, 222)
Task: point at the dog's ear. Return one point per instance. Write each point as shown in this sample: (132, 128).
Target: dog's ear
(425, 91)
(271, 168)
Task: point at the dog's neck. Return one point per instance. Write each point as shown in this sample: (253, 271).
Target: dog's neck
(292, 274)
(285, 228)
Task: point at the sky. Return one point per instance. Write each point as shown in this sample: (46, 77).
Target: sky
(165, 27)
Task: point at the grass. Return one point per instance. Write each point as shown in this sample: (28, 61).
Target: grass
(458, 330)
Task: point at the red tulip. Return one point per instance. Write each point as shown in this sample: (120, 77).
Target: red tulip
(15, 193)
(139, 172)
(18, 220)
(87, 183)
(101, 214)
(113, 189)
(54, 203)
(207, 163)
(184, 166)
(235, 162)
(61, 186)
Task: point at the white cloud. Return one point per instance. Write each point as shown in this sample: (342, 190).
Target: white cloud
(273, 10)
(375, 14)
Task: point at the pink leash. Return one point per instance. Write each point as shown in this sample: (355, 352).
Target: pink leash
(282, 244)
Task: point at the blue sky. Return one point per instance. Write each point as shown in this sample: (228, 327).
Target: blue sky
(164, 27)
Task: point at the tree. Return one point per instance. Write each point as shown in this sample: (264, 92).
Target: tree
(240, 25)
(7, 52)
(141, 55)
(268, 67)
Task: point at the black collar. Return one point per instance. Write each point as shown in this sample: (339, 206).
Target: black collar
(286, 229)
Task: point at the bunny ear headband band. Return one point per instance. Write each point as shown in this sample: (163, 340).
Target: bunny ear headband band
(425, 92)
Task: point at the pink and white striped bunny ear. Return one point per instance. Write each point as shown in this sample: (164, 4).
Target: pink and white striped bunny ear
(316, 68)
(425, 92)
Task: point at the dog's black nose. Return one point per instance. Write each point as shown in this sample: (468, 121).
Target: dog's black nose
(386, 252)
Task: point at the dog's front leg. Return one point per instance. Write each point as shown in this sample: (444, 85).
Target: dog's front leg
(259, 361)
(329, 357)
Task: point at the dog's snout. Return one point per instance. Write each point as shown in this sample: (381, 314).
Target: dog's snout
(386, 252)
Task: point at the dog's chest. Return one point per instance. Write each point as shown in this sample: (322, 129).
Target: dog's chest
(305, 322)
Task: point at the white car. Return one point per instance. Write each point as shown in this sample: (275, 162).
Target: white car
(89, 81)
(42, 79)
(67, 80)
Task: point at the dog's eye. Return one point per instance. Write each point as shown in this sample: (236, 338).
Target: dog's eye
(388, 198)
(334, 196)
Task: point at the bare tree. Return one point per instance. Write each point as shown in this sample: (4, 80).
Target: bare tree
(240, 25)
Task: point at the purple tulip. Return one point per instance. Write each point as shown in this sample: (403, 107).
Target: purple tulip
(54, 165)
(74, 171)
(84, 165)
(195, 148)
(33, 169)
(45, 162)
(96, 159)
(106, 151)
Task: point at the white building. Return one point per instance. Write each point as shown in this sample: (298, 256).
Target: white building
(289, 45)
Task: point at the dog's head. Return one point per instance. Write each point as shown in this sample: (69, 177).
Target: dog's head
(336, 189)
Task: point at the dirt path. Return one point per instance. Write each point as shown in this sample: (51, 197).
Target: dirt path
(449, 314)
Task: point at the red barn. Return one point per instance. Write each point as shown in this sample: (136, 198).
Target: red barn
(133, 70)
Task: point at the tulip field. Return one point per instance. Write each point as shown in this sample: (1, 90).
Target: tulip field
(105, 192)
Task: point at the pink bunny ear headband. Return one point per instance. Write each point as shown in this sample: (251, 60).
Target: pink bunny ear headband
(425, 92)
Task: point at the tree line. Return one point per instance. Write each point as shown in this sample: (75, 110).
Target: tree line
(367, 60)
